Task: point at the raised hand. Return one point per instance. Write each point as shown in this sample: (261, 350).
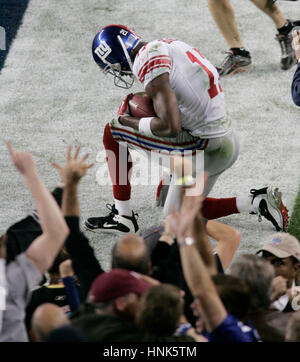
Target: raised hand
(74, 169)
(182, 167)
(66, 269)
(296, 42)
(182, 222)
(23, 161)
(279, 287)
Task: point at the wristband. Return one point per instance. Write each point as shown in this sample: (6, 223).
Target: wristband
(144, 126)
(188, 241)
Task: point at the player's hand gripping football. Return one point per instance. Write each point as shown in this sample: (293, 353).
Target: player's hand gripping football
(23, 161)
(74, 169)
(124, 107)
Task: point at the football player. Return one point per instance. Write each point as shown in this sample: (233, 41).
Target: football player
(190, 108)
(238, 58)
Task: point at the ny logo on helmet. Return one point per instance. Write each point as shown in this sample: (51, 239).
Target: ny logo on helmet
(103, 50)
(123, 32)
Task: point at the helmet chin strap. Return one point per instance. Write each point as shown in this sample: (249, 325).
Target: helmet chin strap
(125, 51)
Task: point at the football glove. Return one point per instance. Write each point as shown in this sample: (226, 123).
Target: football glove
(124, 107)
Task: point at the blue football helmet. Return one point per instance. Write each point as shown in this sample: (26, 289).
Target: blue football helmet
(112, 47)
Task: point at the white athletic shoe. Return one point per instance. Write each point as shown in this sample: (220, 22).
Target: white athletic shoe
(267, 202)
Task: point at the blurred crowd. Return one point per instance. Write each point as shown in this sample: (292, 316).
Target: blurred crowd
(166, 285)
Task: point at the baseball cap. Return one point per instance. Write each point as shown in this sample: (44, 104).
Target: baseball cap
(282, 245)
(116, 283)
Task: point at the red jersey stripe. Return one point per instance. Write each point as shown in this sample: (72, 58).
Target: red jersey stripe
(154, 67)
(150, 60)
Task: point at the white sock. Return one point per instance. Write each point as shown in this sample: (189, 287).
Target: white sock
(243, 204)
(123, 207)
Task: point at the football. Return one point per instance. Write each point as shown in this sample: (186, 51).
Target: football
(141, 105)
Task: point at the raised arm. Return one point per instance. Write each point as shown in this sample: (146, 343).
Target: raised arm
(195, 271)
(228, 240)
(202, 287)
(71, 174)
(43, 249)
(84, 262)
(191, 215)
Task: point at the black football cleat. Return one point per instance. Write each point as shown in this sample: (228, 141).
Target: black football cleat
(233, 64)
(112, 223)
(288, 57)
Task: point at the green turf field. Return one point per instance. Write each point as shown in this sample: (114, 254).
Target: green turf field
(52, 95)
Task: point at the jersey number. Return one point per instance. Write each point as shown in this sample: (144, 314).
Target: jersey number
(214, 89)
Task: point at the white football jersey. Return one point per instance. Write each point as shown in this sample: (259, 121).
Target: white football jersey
(194, 80)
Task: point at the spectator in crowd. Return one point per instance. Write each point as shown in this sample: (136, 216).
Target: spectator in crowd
(293, 329)
(114, 300)
(130, 252)
(258, 275)
(66, 334)
(72, 290)
(22, 233)
(26, 271)
(160, 241)
(45, 319)
(282, 250)
(234, 294)
(85, 264)
(52, 291)
(160, 310)
(160, 313)
(296, 79)
(220, 325)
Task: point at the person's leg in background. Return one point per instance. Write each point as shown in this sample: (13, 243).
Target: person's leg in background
(284, 27)
(238, 58)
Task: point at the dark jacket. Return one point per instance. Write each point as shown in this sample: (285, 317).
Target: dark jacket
(112, 328)
(296, 86)
(86, 266)
(22, 233)
(270, 324)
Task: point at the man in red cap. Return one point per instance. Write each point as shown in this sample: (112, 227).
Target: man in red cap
(113, 302)
(118, 292)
